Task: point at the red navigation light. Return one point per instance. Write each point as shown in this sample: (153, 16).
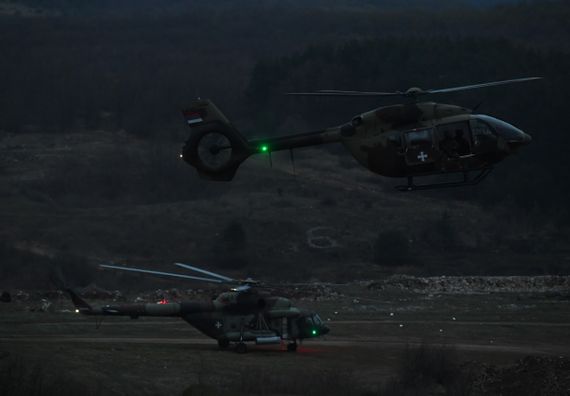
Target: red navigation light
(163, 301)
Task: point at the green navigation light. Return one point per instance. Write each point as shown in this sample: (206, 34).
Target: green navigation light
(264, 148)
(314, 332)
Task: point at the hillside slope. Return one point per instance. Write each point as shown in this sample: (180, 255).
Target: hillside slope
(88, 198)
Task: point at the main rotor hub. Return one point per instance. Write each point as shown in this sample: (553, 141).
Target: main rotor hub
(414, 91)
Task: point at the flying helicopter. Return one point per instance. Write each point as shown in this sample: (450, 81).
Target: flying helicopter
(245, 313)
(407, 140)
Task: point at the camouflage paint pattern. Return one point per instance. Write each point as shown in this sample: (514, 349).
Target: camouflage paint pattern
(397, 141)
(232, 317)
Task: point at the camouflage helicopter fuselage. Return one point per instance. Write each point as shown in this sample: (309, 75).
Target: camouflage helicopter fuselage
(404, 140)
(381, 139)
(239, 317)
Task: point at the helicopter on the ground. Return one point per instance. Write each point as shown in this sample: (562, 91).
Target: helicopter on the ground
(244, 314)
(403, 140)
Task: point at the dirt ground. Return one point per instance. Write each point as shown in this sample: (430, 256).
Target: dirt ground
(371, 332)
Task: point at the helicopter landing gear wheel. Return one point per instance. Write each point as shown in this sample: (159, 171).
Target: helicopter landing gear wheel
(292, 347)
(241, 347)
(223, 343)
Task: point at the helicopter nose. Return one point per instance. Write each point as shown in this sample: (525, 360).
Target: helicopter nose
(513, 136)
(519, 140)
(325, 330)
(527, 138)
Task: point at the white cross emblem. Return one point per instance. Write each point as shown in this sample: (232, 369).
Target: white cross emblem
(218, 325)
(422, 156)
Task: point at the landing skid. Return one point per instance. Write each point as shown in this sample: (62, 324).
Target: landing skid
(467, 181)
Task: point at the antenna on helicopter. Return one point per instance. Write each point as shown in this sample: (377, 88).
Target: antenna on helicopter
(292, 161)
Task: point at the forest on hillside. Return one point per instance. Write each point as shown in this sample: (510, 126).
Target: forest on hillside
(135, 71)
(139, 7)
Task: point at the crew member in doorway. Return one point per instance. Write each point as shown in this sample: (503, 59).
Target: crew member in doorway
(449, 145)
(462, 143)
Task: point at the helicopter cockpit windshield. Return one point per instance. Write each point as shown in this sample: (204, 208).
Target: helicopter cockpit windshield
(510, 133)
(313, 325)
(317, 320)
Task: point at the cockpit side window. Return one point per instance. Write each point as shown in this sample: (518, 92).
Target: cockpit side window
(418, 137)
(419, 146)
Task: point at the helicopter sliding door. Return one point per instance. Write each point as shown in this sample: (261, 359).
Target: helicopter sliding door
(419, 146)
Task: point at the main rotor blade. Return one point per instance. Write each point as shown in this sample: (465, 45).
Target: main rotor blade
(332, 92)
(171, 274)
(200, 270)
(482, 85)
(412, 92)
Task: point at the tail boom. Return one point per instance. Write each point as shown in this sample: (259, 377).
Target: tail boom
(216, 148)
(136, 310)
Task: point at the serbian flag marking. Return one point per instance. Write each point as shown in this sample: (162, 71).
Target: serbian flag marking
(192, 117)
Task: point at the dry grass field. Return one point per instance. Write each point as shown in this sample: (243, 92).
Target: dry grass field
(380, 343)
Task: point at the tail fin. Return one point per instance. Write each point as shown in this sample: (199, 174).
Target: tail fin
(81, 305)
(215, 148)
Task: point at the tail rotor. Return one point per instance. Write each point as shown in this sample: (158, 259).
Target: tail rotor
(215, 148)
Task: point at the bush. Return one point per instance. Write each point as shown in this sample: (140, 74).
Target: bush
(392, 248)
(230, 250)
(322, 382)
(20, 378)
(234, 237)
(430, 369)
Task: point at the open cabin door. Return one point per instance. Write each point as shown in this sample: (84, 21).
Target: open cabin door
(455, 139)
(419, 146)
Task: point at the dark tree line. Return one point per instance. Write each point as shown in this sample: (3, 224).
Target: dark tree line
(134, 69)
(96, 65)
(142, 7)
